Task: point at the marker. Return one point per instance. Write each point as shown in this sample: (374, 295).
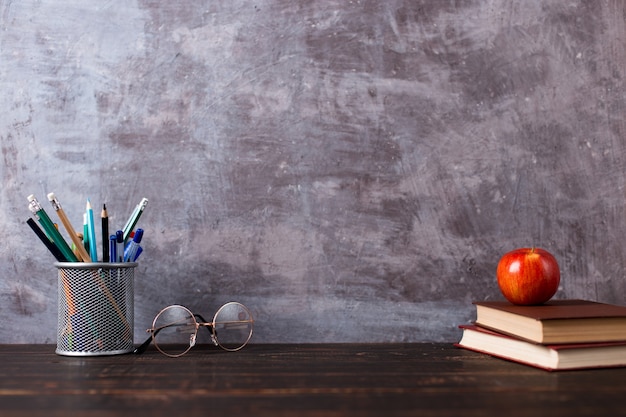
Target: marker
(130, 252)
(91, 229)
(51, 231)
(113, 248)
(80, 249)
(104, 215)
(134, 217)
(119, 236)
(56, 252)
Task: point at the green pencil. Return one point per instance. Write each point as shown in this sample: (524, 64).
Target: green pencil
(134, 217)
(50, 229)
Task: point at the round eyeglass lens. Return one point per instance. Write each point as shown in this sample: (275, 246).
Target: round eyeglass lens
(233, 325)
(174, 330)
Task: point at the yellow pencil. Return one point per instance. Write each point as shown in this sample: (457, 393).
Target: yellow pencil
(82, 253)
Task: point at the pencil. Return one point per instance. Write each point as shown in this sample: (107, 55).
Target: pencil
(56, 252)
(105, 233)
(80, 249)
(51, 231)
(85, 232)
(134, 217)
(91, 230)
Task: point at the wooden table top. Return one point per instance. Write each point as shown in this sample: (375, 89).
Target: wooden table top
(299, 380)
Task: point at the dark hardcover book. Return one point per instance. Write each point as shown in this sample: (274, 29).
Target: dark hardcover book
(557, 321)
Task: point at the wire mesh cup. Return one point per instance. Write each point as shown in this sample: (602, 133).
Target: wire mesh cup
(95, 308)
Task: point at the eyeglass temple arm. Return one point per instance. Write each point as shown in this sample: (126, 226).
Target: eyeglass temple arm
(142, 348)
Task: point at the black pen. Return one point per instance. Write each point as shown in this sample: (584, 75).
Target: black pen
(56, 252)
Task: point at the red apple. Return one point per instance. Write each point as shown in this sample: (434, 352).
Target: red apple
(528, 276)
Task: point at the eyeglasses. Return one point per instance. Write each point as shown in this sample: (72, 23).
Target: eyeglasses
(174, 330)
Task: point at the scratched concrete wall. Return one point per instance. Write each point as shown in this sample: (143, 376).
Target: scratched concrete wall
(351, 170)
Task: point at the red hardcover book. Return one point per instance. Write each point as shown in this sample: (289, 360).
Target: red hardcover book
(549, 357)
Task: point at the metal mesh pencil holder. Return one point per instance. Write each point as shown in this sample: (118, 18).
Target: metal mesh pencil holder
(95, 308)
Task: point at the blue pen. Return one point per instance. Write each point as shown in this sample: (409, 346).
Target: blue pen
(139, 250)
(130, 252)
(113, 248)
(120, 245)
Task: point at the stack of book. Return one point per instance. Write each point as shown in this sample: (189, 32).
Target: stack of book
(557, 335)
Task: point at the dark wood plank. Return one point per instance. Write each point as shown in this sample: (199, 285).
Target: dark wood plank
(302, 380)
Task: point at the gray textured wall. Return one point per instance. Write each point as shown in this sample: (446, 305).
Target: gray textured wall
(351, 170)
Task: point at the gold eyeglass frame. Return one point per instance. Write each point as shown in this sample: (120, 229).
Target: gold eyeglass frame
(211, 327)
